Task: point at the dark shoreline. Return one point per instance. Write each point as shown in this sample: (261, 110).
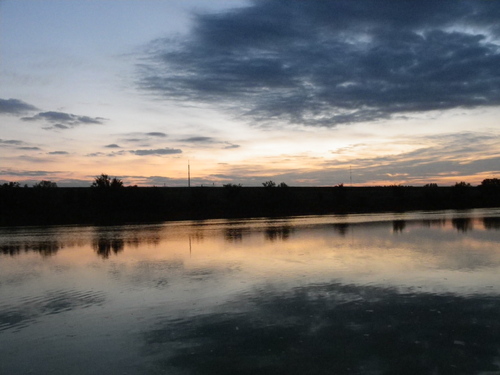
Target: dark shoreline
(46, 206)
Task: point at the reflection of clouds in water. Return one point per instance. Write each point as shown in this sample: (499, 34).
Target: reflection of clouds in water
(29, 309)
(334, 328)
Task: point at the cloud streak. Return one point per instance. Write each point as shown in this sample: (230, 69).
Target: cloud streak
(324, 63)
(159, 151)
(63, 120)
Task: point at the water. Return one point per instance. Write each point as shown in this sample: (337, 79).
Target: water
(414, 293)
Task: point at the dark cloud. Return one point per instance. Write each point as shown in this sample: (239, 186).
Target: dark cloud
(160, 151)
(26, 173)
(11, 142)
(156, 134)
(62, 120)
(95, 154)
(27, 148)
(331, 62)
(61, 126)
(231, 146)
(15, 107)
(198, 139)
(113, 145)
(58, 153)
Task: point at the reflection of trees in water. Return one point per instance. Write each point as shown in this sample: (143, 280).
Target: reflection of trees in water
(491, 223)
(341, 228)
(233, 234)
(274, 233)
(108, 240)
(398, 226)
(433, 223)
(462, 224)
(44, 248)
(335, 329)
(105, 246)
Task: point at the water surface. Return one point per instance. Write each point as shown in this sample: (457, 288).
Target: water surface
(354, 294)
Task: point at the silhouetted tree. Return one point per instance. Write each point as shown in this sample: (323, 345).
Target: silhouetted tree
(462, 184)
(491, 182)
(104, 181)
(282, 185)
(45, 185)
(232, 186)
(431, 185)
(11, 185)
(269, 184)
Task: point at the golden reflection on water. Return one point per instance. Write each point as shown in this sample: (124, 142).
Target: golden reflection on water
(447, 252)
(133, 297)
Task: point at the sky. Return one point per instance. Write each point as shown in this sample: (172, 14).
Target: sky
(310, 93)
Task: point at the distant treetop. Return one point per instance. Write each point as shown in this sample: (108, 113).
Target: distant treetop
(104, 181)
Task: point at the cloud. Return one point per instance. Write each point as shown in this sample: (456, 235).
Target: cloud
(112, 145)
(27, 148)
(58, 153)
(15, 107)
(323, 63)
(11, 142)
(230, 146)
(61, 126)
(18, 173)
(198, 139)
(160, 151)
(62, 120)
(156, 134)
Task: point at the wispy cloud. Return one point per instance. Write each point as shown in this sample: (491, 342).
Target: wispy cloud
(159, 151)
(58, 153)
(63, 120)
(11, 142)
(20, 173)
(323, 63)
(230, 146)
(112, 145)
(198, 140)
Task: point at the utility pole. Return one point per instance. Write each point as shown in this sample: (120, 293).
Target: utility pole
(189, 175)
(350, 174)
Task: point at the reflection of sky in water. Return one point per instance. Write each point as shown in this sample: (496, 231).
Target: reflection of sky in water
(137, 296)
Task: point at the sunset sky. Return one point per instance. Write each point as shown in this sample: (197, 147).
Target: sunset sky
(398, 92)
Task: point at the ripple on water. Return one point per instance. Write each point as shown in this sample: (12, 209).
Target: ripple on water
(28, 309)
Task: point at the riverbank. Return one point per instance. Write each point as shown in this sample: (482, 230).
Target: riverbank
(31, 206)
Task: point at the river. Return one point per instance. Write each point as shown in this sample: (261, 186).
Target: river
(412, 293)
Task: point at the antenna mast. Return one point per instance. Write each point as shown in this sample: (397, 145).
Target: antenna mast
(350, 173)
(189, 175)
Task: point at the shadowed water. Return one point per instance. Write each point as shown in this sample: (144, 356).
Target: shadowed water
(414, 293)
